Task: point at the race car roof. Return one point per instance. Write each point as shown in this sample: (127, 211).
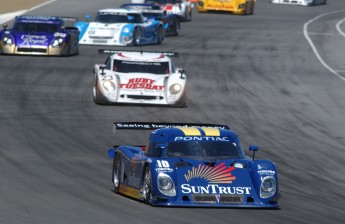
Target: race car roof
(118, 11)
(141, 56)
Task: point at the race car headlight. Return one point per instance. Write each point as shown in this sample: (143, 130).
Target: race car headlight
(165, 184)
(108, 85)
(241, 6)
(7, 40)
(126, 30)
(57, 42)
(175, 88)
(268, 187)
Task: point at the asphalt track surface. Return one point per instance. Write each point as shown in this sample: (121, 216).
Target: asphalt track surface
(259, 74)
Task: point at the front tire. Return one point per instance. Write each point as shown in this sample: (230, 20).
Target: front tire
(136, 37)
(97, 96)
(147, 185)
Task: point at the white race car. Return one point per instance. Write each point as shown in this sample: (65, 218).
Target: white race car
(139, 78)
(182, 8)
(120, 27)
(300, 2)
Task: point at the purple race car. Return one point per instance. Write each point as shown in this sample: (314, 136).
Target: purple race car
(40, 35)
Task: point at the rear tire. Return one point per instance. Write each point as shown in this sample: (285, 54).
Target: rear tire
(117, 173)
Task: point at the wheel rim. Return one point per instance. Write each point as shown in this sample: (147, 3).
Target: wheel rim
(116, 173)
(147, 184)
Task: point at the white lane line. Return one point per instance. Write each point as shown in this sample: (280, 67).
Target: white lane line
(321, 34)
(9, 16)
(339, 29)
(305, 32)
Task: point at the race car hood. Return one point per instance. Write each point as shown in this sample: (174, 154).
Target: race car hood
(33, 39)
(96, 29)
(229, 179)
(141, 81)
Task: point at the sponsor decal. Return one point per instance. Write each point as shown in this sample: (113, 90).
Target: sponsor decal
(215, 177)
(34, 40)
(220, 6)
(201, 138)
(266, 172)
(219, 174)
(214, 189)
(141, 83)
(60, 35)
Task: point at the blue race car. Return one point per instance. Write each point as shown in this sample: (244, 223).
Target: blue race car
(193, 165)
(40, 35)
(120, 27)
(152, 11)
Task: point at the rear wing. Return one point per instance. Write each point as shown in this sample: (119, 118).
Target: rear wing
(110, 51)
(158, 125)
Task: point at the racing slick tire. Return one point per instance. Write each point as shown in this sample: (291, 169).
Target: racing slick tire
(182, 102)
(97, 95)
(136, 37)
(147, 185)
(116, 178)
(160, 35)
(177, 27)
(249, 8)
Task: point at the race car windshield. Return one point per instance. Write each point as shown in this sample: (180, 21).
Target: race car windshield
(23, 27)
(152, 14)
(163, 1)
(204, 150)
(158, 68)
(119, 18)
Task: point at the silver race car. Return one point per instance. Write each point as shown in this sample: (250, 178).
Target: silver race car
(136, 77)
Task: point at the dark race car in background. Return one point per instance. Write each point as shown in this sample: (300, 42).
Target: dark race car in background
(153, 11)
(200, 165)
(40, 35)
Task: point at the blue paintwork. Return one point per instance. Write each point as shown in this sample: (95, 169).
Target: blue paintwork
(148, 31)
(37, 31)
(248, 172)
(170, 21)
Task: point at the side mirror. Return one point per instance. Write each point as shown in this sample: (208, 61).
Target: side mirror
(182, 72)
(161, 146)
(111, 153)
(87, 17)
(102, 67)
(5, 26)
(254, 148)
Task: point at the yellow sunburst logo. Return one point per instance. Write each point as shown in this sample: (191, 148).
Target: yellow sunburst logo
(219, 174)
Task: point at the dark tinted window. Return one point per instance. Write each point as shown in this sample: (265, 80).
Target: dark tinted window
(119, 18)
(204, 150)
(141, 67)
(35, 27)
